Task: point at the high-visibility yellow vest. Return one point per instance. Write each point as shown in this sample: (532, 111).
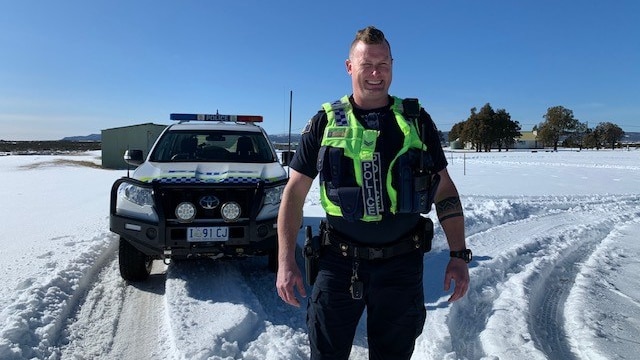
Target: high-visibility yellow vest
(358, 144)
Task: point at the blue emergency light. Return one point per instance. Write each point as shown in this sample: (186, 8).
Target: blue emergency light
(216, 117)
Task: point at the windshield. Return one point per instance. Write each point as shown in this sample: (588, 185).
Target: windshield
(213, 146)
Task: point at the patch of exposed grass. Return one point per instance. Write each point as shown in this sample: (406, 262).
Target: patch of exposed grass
(62, 162)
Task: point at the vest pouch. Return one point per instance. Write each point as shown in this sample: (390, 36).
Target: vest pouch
(351, 203)
(334, 168)
(405, 185)
(415, 189)
(432, 182)
(332, 194)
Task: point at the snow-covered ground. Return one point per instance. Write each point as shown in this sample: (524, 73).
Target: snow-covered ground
(555, 275)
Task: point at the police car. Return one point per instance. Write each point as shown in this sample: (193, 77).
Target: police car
(210, 187)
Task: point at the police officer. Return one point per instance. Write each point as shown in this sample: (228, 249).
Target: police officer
(369, 258)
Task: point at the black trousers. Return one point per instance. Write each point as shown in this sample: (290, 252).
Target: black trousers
(393, 296)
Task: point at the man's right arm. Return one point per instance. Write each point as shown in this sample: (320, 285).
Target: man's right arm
(289, 220)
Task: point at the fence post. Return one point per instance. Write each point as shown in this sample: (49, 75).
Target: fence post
(464, 161)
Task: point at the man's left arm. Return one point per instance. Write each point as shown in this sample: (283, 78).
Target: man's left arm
(450, 214)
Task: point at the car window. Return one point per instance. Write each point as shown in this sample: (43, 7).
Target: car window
(213, 146)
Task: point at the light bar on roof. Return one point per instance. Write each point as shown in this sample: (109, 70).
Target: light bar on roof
(216, 117)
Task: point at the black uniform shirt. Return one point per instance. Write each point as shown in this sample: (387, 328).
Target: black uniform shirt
(392, 226)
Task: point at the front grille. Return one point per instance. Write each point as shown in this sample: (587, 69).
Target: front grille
(250, 200)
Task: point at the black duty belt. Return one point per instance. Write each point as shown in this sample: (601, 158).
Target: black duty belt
(341, 245)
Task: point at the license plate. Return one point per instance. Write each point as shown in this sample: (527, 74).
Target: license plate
(215, 233)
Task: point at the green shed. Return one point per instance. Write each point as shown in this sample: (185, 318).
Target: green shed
(116, 141)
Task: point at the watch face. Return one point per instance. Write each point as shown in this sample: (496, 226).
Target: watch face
(465, 255)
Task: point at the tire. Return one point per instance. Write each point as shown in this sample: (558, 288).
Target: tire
(135, 266)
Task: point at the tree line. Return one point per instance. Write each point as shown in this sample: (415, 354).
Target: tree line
(488, 128)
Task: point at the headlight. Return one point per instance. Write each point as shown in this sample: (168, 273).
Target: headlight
(185, 212)
(138, 195)
(136, 202)
(273, 195)
(230, 211)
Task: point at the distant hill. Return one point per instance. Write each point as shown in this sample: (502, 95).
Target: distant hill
(92, 137)
(279, 138)
(284, 138)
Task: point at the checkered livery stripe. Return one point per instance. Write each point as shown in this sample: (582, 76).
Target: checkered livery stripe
(236, 177)
(194, 180)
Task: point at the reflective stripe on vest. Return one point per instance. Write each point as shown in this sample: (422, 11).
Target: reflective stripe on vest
(345, 131)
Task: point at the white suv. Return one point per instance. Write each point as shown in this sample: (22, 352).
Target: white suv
(210, 186)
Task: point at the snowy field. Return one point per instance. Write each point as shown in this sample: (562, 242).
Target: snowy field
(555, 274)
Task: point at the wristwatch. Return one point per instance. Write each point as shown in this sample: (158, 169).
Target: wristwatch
(465, 255)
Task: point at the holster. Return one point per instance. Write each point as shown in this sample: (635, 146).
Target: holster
(311, 252)
(427, 233)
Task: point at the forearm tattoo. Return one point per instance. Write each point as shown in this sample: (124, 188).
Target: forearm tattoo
(448, 208)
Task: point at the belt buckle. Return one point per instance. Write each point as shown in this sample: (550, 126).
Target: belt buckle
(376, 253)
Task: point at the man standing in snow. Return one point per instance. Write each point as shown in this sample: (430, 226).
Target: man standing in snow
(375, 154)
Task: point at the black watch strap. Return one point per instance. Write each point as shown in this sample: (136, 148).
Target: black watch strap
(465, 255)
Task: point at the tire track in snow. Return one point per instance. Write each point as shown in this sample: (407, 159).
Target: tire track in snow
(549, 291)
(122, 321)
(165, 316)
(37, 326)
(142, 328)
(607, 288)
(491, 309)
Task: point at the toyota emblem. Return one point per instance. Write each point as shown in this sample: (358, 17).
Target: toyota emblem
(209, 202)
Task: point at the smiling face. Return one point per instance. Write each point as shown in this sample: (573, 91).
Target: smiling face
(370, 68)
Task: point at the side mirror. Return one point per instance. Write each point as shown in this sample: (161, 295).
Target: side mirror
(286, 157)
(133, 157)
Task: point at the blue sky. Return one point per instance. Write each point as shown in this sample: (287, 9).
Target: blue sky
(76, 67)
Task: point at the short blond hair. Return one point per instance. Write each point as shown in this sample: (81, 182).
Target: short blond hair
(371, 36)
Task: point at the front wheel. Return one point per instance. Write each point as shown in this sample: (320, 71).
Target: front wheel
(134, 264)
